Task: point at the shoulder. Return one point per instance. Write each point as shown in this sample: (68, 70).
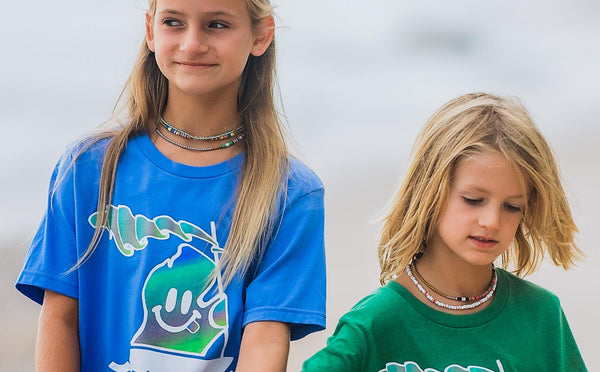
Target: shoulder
(81, 159)
(375, 308)
(301, 175)
(91, 148)
(523, 291)
(363, 334)
(301, 180)
(378, 297)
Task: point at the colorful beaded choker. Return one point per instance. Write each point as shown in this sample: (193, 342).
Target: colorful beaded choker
(479, 299)
(186, 135)
(183, 146)
(449, 297)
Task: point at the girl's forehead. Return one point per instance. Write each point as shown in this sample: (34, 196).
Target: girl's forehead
(490, 172)
(224, 7)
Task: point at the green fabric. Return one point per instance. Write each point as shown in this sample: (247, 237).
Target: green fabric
(522, 329)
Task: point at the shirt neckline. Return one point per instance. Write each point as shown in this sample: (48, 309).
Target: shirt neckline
(147, 148)
(453, 320)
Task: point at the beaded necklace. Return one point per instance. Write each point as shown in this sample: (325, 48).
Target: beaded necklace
(450, 297)
(186, 135)
(183, 146)
(482, 297)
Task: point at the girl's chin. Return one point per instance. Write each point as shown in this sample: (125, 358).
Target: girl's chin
(481, 259)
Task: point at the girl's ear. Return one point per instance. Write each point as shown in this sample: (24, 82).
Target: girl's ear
(149, 32)
(263, 36)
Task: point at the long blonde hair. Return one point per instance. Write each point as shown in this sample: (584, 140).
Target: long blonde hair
(266, 160)
(469, 124)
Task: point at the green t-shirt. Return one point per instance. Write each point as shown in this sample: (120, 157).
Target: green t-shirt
(522, 329)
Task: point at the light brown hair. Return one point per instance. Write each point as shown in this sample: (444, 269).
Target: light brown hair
(266, 159)
(469, 124)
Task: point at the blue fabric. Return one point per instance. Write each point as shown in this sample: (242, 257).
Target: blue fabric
(144, 300)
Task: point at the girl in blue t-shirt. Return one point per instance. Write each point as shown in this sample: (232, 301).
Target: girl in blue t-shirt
(482, 186)
(169, 242)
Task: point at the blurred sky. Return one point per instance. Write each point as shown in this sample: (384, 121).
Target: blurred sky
(358, 79)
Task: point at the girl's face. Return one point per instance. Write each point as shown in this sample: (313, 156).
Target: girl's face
(201, 46)
(482, 212)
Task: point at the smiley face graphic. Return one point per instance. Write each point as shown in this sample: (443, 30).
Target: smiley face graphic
(183, 311)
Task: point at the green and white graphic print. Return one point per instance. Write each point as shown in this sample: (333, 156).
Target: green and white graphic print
(414, 367)
(184, 315)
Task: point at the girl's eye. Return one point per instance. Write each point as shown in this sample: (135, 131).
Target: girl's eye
(471, 201)
(217, 25)
(171, 22)
(512, 208)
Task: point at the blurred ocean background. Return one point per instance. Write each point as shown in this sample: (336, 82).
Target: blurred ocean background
(358, 79)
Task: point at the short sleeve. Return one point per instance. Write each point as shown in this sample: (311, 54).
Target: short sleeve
(344, 351)
(290, 283)
(52, 252)
(570, 357)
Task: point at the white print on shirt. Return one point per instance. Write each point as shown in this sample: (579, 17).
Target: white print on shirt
(184, 317)
(414, 367)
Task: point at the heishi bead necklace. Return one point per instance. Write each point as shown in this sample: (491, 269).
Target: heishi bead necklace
(183, 146)
(450, 297)
(186, 135)
(469, 306)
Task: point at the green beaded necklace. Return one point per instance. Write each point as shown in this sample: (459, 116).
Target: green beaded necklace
(183, 146)
(186, 135)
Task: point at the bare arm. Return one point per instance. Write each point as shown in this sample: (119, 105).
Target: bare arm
(57, 347)
(265, 347)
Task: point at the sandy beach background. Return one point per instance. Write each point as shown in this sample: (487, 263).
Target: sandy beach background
(358, 79)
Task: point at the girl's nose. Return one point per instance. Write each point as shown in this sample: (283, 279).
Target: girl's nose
(194, 41)
(490, 217)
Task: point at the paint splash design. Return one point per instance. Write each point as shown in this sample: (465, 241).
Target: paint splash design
(131, 232)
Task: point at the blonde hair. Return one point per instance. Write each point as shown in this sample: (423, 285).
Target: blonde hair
(266, 160)
(470, 124)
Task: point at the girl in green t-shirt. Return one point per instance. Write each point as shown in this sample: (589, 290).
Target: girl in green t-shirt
(482, 187)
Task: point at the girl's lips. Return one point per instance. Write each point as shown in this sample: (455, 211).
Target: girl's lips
(483, 242)
(196, 64)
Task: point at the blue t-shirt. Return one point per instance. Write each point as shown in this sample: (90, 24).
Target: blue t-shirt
(145, 299)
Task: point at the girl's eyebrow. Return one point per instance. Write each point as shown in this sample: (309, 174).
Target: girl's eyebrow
(482, 190)
(171, 11)
(219, 13)
(181, 13)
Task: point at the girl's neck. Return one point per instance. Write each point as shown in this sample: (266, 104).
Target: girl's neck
(454, 276)
(451, 275)
(201, 115)
(198, 116)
